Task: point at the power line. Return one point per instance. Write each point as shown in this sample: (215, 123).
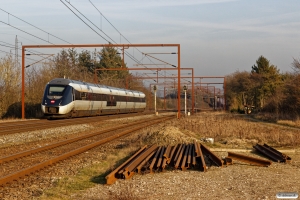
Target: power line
(118, 31)
(26, 32)
(15, 54)
(129, 55)
(13, 46)
(30, 33)
(34, 26)
(83, 20)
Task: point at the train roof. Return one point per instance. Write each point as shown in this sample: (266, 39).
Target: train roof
(90, 86)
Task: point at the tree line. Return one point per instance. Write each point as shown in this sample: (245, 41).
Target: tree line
(266, 89)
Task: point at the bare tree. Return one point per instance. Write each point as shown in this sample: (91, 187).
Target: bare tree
(296, 66)
(9, 83)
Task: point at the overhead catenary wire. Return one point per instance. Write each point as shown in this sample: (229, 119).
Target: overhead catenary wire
(35, 26)
(28, 34)
(116, 30)
(13, 46)
(47, 41)
(31, 34)
(83, 20)
(128, 54)
(9, 53)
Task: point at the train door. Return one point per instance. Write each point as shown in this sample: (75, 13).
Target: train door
(134, 103)
(73, 101)
(91, 101)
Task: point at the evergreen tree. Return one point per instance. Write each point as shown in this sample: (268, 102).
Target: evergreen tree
(266, 78)
(110, 59)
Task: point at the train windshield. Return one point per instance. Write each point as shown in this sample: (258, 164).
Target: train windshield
(56, 90)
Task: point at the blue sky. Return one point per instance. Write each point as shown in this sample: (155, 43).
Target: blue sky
(217, 37)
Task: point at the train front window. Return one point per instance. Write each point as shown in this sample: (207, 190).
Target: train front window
(56, 90)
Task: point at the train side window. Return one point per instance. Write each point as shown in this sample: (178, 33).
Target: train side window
(83, 95)
(77, 95)
(98, 97)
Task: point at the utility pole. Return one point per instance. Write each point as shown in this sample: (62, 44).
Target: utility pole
(184, 88)
(154, 88)
(16, 52)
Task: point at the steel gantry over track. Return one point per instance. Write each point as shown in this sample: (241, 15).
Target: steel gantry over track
(24, 47)
(158, 69)
(193, 83)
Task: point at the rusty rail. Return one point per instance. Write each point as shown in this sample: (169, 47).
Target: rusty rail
(144, 162)
(198, 151)
(64, 142)
(129, 169)
(156, 159)
(272, 153)
(247, 159)
(211, 156)
(32, 169)
(34, 125)
(111, 178)
(185, 156)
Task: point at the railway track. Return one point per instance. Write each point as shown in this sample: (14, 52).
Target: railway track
(16, 166)
(33, 125)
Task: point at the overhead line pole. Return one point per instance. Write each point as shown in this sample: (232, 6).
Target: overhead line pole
(158, 69)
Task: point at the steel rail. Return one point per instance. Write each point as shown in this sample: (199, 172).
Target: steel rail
(159, 162)
(193, 157)
(269, 153)
(184, 159)
(199, 154)
(275, 151)
(173, 153)
(272, 153)
(166, 157)
(111, 178)
(143, 163)
(178, 152)
(189, 156)
(64, 142)
(213, 157)
(17, 127)
(32, 169)
(155, 159)
(248, 159)
(128, 172)
(185, 155)
(180, 156)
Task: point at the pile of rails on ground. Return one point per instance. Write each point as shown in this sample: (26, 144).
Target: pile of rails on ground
(186, 156)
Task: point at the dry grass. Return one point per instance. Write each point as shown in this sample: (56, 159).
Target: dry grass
(227, 128)
(91, 176)
(291, 123)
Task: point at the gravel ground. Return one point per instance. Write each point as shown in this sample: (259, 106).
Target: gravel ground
(237, 181)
